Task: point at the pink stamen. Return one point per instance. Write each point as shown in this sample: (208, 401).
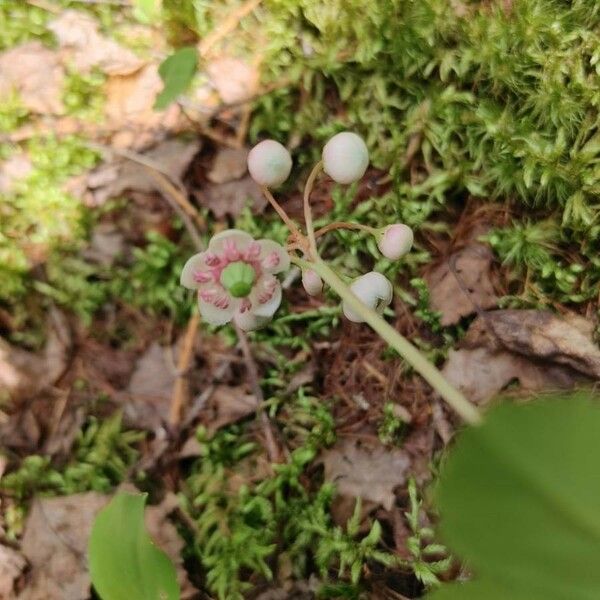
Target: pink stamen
(202, 277)
(252, 251)
(221, 302)
(245, 306)
(231, 251)
(212, 260)
(271, 260)
(207, 295)
(268, 290)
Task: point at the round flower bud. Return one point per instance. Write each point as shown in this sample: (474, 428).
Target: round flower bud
(345, 157)
(311, 282)
(395, 240)
(269, 163)
(374, 290)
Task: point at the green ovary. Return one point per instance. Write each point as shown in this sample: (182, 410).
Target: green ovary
(237, 278)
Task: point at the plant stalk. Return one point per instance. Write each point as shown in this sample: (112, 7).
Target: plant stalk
(467, 411)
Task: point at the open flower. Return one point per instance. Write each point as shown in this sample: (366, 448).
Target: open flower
(374, 290)
(235, 279)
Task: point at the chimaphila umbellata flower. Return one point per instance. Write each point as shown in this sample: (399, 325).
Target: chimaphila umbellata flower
(396, 240)
(373, 290)
(236, 279)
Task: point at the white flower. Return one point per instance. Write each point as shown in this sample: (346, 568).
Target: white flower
(395, 240)
(345, 157)
(374, 290)
(312, 283)
(235, 279)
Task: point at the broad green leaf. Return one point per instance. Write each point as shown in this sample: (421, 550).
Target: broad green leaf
(147, 11)
(519, 499)
(124, 563)
(177, 72)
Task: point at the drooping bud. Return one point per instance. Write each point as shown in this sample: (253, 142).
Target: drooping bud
(269, 163)
(395, 240)
(311, 282)
(374, 290)
(345, 157)
(237, 278)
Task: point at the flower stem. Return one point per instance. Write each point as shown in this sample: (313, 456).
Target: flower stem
(310, 182)
(344, 225)
(413, 357)
(284, 216)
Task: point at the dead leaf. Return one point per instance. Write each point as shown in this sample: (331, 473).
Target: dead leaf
(12, 565)
(538, 349)
(35, 73)
(130, 108)
(231, 198)
(229, 164)
(370, 472)
(235, 80)
(110, 180)
(462, 283)
(24, 374)
(84, 47)
(151, 385)
(55, 542)
(227, 405)
(14, 169)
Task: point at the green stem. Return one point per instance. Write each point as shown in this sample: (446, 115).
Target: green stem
(413, 357)
(310, 182)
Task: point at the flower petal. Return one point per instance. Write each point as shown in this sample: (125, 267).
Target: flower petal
(374, 290)
(240, 238)
(270, 306)
(194, 265)
(249, 321)
(273, 257)
(217, 316)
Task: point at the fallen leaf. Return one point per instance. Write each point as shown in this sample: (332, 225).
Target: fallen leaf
(12, 565)
(462, 283)
(24, 374)
(110, 180)
(54, 543)
(151, 386)
(229, 164)
(84, 47)
(538, 349)
(234, 79)
(231, 198)
(370, 472)
(227, 405)
(106, 244)
(130, 109)
(14, 169)
(35, 73)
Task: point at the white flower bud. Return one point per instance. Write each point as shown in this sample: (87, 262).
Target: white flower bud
(311, 282)
(374, 290)
(269, 163)
(395, 240)
(345, 157)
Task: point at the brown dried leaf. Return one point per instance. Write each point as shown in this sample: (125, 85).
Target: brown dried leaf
(538, 349)
(231, 198)
(462, 283)
(36, 74)
(12, 565)
(84, 47)
(229, 164)
(235, 80)
(370, 472)
(55, 542)
(24, 374)
(228, 405)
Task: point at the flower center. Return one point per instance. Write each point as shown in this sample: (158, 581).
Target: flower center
(237, 278)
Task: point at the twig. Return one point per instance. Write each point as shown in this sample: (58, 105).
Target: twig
(270, 444)
(180, 389)
(227, 26)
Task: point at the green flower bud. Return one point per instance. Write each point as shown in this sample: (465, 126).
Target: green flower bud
(345, 157)
(269, 163)
(237, 278)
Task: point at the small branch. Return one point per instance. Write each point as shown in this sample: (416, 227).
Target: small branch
(310, 182)
(180, 389)
(270, 443)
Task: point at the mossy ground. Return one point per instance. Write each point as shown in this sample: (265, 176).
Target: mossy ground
(484, 108)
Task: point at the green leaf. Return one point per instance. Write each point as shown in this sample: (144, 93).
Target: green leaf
(124, 563)
(520, 501)
(177, 72)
